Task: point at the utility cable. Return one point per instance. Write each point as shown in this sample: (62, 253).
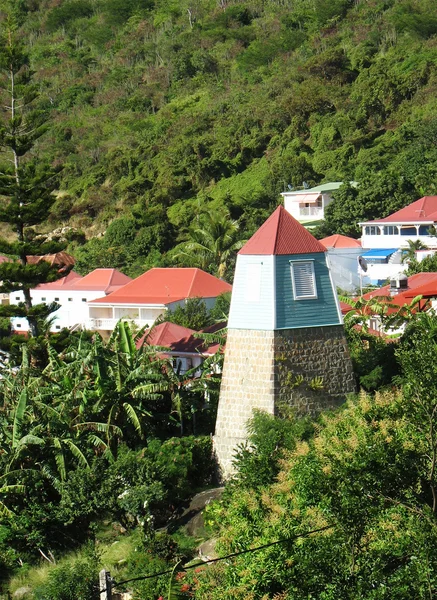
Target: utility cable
(214, 560)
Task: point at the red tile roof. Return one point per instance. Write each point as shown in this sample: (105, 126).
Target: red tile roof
(424, 209)
(164, 286)
(340, 241)
(282, 234)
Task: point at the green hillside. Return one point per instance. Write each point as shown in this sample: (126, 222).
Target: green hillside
(161, 110)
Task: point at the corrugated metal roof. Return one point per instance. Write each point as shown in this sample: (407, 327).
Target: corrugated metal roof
(282, 234)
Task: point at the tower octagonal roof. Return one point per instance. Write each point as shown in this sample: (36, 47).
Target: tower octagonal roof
(282, 234)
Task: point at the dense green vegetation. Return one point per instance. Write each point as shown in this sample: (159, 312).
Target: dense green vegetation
(363, 482)
(165, 111)
(95, 436)
(173, 126)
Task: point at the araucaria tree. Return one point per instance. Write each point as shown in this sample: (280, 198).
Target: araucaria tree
(26, 184)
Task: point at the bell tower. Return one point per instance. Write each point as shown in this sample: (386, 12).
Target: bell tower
(286, 341)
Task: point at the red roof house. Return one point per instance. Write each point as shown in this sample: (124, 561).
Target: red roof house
(423, 210)
(148, 296)
(185, 346)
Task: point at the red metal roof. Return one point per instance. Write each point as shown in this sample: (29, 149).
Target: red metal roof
(340, 241)
(414, 282)
(60, 259)
(61, 284)
(282, 234)
(424, 209)
(163, 286)
(180, 339)
(99, 280)
(164, 334)
(108, 280)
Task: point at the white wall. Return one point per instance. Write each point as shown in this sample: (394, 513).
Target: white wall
(73, 310)
(395, 241)
(344, 267)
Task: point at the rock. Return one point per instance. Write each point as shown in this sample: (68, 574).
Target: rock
(21, 592)
(207, 550)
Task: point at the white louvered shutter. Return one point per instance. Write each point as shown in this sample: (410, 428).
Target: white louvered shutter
(304, 283)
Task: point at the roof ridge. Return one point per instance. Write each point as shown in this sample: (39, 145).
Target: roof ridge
(278, 228)
(195, 269)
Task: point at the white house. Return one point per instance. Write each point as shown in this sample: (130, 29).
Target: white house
(150, 295)
(72, 293)
(385, 239)
(308, 206)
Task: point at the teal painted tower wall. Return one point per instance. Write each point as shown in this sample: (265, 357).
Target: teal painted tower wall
(318, 312)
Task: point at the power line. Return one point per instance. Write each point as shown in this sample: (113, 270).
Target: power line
(214, 560)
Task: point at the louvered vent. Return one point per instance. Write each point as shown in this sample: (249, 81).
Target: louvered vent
(304, 281)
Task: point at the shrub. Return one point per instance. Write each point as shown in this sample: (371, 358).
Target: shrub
(77, 581)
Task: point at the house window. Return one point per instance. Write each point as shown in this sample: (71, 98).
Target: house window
(408, 230)
(424, 229)
(17, 297)
(57, 327)
(70, 299)
(56, 299)
(372, 230)
(18, 325)
(83, 299)
(390, 230)
(303, 279)
(43, 299)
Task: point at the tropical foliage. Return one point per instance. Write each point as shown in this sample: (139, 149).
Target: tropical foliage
(91, 435)
(165, 113)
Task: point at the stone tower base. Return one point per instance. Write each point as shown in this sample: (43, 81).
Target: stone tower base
(309, 369)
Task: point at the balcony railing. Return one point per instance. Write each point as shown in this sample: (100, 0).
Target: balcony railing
(109, 324)
(311, 211)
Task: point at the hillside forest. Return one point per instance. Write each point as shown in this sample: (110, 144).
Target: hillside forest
(168, 121)
(162, 132)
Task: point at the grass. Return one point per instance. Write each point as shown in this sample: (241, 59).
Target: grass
(113, 548)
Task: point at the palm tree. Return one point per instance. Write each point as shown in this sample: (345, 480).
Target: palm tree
(409, 254)
(211, 244)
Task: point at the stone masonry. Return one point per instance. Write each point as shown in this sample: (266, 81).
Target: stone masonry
(309, 369)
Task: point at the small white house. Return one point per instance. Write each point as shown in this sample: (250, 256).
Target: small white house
(72, 293)
(308, 206)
